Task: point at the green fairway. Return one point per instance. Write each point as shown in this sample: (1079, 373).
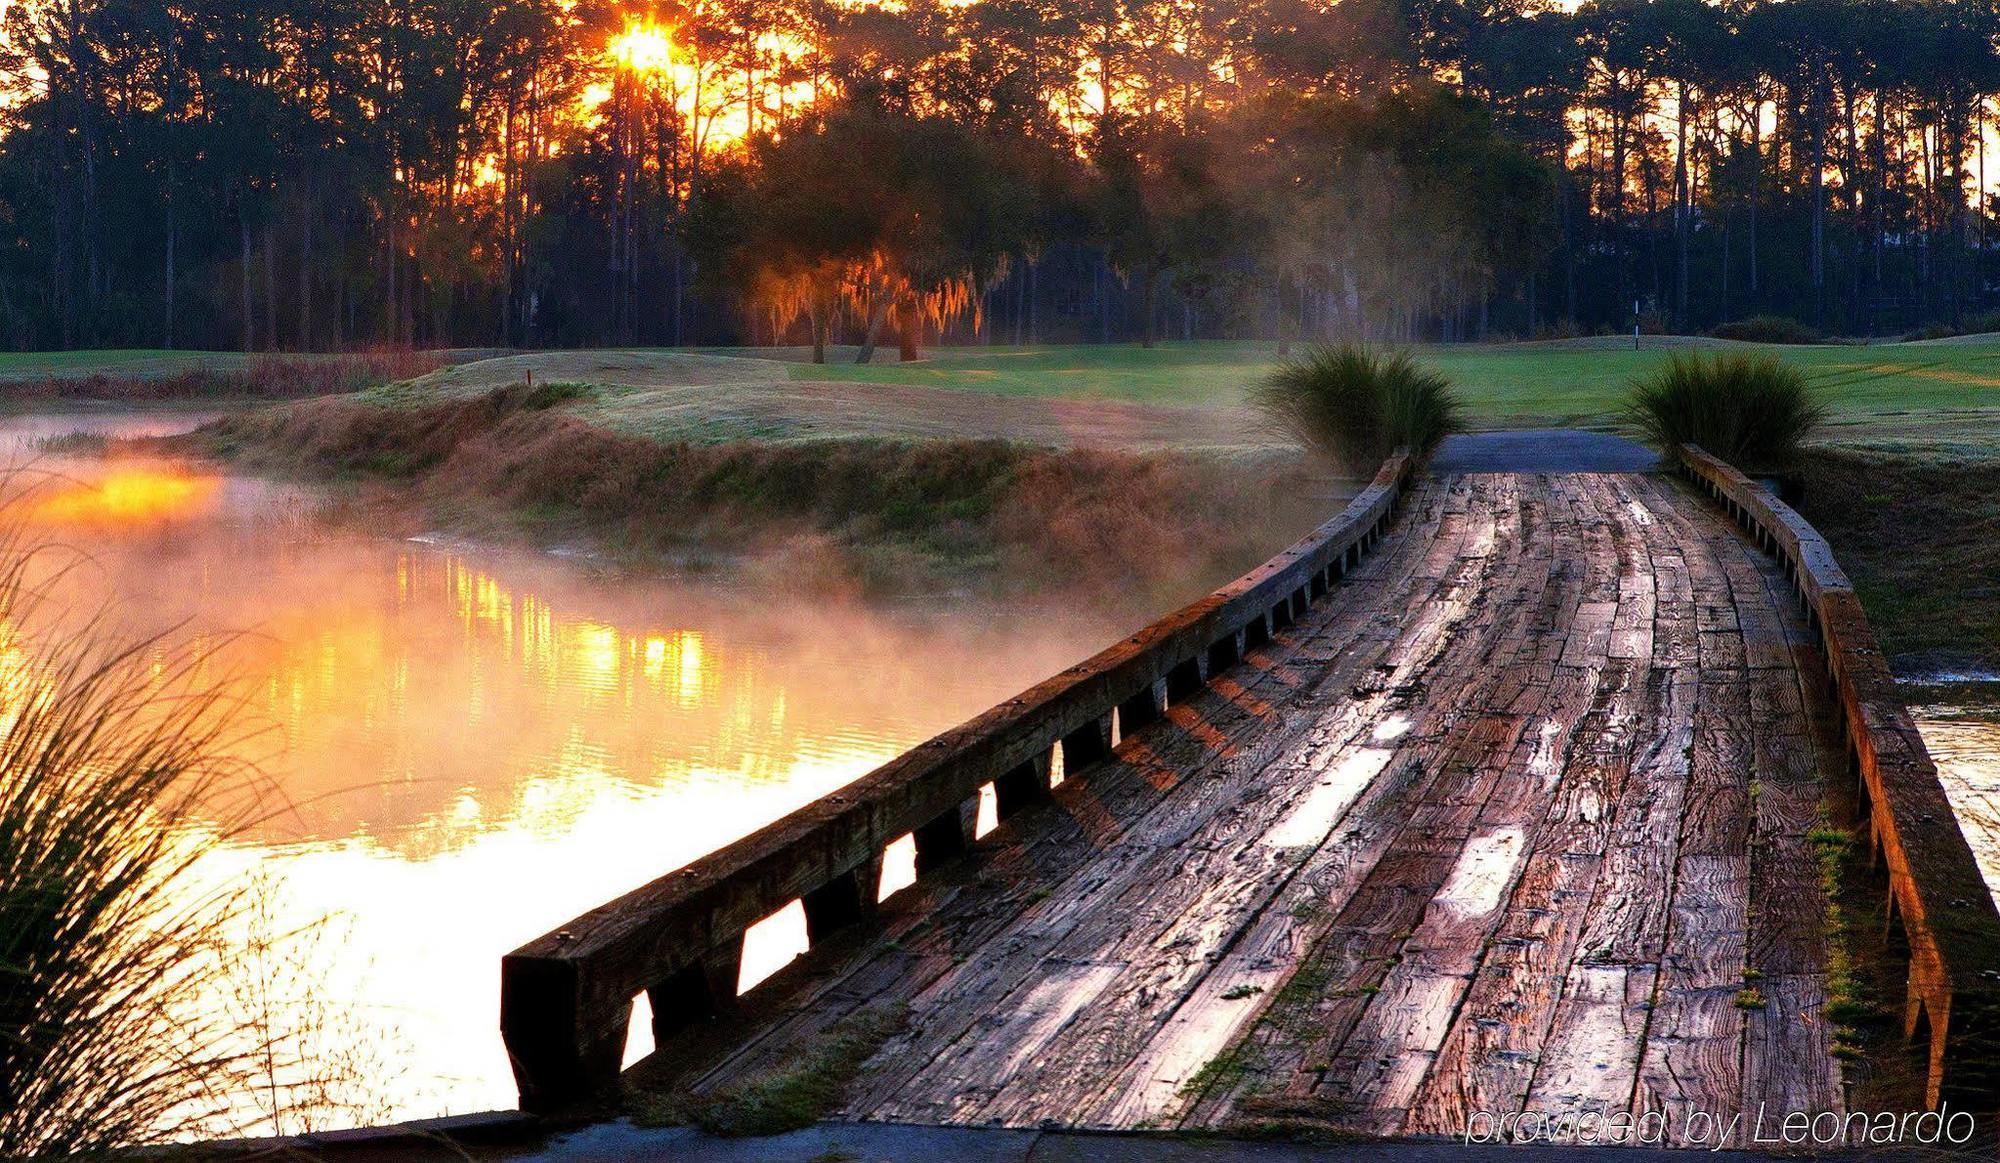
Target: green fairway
(18, 366)
(1940, 397)
(1914, 393)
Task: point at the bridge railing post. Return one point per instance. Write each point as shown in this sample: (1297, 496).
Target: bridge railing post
(847, 899)
(947, 836)
(1022, 786)
(1148, 706)
(1087, 744)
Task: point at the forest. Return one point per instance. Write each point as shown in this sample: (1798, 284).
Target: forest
(309, 175)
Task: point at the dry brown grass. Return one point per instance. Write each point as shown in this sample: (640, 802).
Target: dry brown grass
(886, 516)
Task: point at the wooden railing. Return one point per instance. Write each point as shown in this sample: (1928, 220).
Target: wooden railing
(1939, 906)
(566, 997)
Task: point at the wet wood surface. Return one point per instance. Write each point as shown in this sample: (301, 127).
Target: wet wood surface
(1517, 819)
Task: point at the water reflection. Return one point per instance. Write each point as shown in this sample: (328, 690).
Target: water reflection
(473, 746)
(1961, 727)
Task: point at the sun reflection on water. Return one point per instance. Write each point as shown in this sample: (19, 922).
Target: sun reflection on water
(474, 747)
(123, 494)
(1963, 735)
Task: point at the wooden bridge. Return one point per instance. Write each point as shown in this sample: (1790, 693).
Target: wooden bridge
(1499, 793)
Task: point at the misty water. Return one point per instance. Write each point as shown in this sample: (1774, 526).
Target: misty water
(1961, 727)
(471, 746)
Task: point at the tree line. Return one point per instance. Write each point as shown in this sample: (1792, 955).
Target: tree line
(331, 174)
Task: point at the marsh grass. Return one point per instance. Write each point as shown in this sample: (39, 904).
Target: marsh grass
(1358, 404)
(1754, 411)
(122, 763)
(875, 516)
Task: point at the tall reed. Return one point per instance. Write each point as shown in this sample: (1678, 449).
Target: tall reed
(120, 764)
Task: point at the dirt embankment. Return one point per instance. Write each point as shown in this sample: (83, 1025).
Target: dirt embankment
(884, 517)
(1921, 541)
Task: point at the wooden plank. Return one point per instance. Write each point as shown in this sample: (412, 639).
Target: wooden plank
(943, 1042)
(1169, 930)
(1693, 1052)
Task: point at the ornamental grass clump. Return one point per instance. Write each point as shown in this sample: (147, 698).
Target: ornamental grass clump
(1358, 404)
(121, 765)
(1754, 411)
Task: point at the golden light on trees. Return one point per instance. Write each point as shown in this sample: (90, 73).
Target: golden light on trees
(643, 47)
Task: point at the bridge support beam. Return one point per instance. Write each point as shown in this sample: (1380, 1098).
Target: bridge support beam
(946, 837)
(565, 1046)
(1087, 744)
(1186, 679)
(1025, 785)
(1148, 706)
(696, 992)
(845, 900)
(1225, 652)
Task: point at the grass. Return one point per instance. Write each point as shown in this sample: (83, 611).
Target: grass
(1943, 393)
(1358, 405)
(1503, 385)
(117, 771)
(1749, 408)
(1920, 537)
(807, 1088)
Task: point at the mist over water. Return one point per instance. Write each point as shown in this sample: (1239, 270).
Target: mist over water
(471, 746)
(1961, 728)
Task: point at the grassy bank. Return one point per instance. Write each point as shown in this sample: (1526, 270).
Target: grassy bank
(879, 516)
(143, 378)
(1920, 537)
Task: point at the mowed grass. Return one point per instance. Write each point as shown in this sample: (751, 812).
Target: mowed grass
(1935, 399)
(18, 366)
(1904, 393)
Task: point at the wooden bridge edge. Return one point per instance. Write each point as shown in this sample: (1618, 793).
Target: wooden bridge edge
(1936, 890)
(566, 996)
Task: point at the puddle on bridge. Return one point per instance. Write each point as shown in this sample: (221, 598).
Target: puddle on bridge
(1961, 726)
(477, 746)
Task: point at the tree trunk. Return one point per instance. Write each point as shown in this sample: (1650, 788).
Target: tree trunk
(1149, 294)
(249, 317)
(270, 290)
(173, 239)
(909, 329)
(878, 312)
(1819, 211)
(304, 337)
(1683, 203)
(1756, 187)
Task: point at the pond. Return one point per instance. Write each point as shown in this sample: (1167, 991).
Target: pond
(1961, 727)
(468, 747)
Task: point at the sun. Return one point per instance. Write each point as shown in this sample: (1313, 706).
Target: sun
(644, 48)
